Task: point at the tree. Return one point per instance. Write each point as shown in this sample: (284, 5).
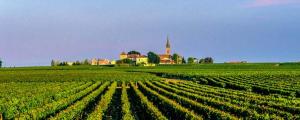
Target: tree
(153, 58)
(207, 60)
(176, 58)
(191, 60)
(0, 63)
(134, 52)
(63, 64)
(52, 63)
(77, 63)
(183, 60)
(86, 62)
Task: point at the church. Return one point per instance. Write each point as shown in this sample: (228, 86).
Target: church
(167, 57)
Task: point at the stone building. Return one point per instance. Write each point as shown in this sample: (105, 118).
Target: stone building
(100, 61)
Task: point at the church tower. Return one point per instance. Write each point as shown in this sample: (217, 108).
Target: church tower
(168, 47)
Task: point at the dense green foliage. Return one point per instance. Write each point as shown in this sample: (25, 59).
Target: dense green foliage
(153, 58)
(133, 52)
(192, 91)
(207, 60)
(125, 61)
(192, 60)
(177, 58)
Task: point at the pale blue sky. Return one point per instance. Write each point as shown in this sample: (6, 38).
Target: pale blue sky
(32, 32)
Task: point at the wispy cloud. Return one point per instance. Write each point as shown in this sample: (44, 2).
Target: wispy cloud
(264, 3)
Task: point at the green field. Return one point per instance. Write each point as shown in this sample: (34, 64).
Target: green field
(216, 91)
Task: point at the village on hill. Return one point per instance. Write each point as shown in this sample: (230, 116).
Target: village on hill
(131, 58)
(135, 58)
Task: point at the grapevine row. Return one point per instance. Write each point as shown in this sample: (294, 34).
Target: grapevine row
(102, 105)
(149, 107)
(127, 114)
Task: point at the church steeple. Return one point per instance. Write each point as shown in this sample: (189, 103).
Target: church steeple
(168, 47)
(168, 43)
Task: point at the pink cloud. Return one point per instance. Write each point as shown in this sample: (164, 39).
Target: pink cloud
(263, 3)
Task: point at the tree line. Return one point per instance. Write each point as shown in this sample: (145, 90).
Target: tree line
(207, 60)
(65, 63)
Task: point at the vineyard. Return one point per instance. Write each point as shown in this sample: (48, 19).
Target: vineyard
(160, 93)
